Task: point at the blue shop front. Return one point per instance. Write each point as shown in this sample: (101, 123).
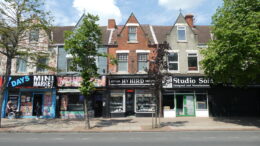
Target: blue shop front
(26, 92)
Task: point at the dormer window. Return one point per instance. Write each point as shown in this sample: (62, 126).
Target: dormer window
(181, 30)
(132, 35)
(34, 35)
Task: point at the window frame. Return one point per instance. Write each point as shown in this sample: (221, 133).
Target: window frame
(146, 61)
(18, 65)
(37, 32)
(42, 70)
(185, 35)
(197, 57)
(168, 62)
(129, 32)
(126, 61)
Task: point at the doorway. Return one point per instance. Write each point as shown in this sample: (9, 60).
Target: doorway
(185, 105)
(37, 101)
(130, 96)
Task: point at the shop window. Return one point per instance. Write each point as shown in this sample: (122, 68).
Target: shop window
(142, 62)
(21, 65)
(173, 61)
(26, 107)
(34, 35)
(43, 63)
(192, 62)
(122, 62)
(168, 101)
(132, 35)
(117, 101)
(72, 102)
(181, 33)
(201, 101)
(145, 102)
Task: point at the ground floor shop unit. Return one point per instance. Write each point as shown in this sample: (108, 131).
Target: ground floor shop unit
(31, 96)
(130, 95)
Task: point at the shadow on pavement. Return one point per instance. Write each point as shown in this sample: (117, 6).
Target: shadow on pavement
(243, 121)
(175, 124)
(111, 122)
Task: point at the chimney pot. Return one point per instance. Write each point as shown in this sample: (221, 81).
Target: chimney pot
(111, 24)
(189, 19)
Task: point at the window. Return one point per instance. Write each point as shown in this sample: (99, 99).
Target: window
(21, 65)
(201, 101)
(132, 37)
(69, 65)
(181, 33)
(192, 62)
(34, 35)
(142, 62)
(145, 102)
(117, 101)
(173, 61)
(42, 63)
(122, 62)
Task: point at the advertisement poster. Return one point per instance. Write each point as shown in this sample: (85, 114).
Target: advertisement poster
(47, 105)
(69, 81)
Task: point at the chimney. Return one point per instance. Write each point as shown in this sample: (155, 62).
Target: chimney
(111, 24)
(189, 19)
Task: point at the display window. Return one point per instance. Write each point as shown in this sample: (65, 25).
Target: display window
(72, 102)
(145, 101)
(201, 101)
(26, 104)
(117, 100)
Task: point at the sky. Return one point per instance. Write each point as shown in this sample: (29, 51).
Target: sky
(154, 12)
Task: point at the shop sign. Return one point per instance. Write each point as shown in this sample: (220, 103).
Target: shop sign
(1, 81)
(131, 81)
(31, 81)
(191, 82)
(71, 81)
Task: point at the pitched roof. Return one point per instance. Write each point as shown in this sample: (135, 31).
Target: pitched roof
(203, 33)
(161, 33)
(58, 34)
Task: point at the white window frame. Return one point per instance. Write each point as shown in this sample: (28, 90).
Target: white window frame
(124, 103)
(179, 28)
(197, 55)
(18, 65)
(147, 65)
(178, 62)
(122, 52)
(132, 41)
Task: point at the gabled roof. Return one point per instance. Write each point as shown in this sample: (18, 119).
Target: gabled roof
(203, 32)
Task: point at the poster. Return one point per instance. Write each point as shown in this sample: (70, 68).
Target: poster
(47, 104)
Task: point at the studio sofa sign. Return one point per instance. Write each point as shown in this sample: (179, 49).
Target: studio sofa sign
(188, 82)
(31, 81)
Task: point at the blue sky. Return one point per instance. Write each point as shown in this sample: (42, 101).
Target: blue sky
(155, 12)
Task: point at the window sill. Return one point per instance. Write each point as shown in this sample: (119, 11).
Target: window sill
(184, 41)
(122, 72)
(132, 42)
(173, 71)
(193, 71)
(142, 72)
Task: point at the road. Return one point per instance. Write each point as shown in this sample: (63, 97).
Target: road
(188, 138)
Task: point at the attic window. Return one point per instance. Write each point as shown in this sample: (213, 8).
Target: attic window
(34, 35)
(181, 33)
(132, 35)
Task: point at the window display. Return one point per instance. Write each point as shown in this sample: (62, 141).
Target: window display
(26, 104)
(145, 102)
(201, 101)
(72, 102)
(117, 102)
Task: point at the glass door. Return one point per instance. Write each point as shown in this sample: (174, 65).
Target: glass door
(185, 105)
(130, 96)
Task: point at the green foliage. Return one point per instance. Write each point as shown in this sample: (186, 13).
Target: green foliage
(82, 43)
(234, 54)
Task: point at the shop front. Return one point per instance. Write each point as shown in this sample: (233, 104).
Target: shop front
(130, 95)
(186, 96)
(71, 101)
(31, 96)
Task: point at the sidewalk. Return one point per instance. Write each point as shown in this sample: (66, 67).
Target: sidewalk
(129, 124)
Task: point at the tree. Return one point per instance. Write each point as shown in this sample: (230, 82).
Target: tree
(234, 54)
(82, 43)
(17, 19)
(158, 72)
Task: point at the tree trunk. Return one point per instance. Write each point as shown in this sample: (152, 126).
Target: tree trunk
(3, 88)
(160, 106)
(87, 123)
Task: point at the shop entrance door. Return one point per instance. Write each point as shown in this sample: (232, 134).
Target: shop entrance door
(130, 96)
(185, 105)
(37, 104)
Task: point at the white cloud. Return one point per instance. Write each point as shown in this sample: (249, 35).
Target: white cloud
(180, 4)
(105, 9)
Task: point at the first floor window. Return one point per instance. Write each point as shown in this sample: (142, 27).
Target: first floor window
(201, 101)
(132, 36)
(69, 65)
(142, 62)
(181, 33)
(192, 62)
(122, 62)
(21, 65)
(173, 62)
(42, 63)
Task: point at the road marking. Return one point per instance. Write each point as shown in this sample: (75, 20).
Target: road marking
(59, 138)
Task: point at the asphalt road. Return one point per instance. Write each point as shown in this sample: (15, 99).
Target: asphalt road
(194, 138)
